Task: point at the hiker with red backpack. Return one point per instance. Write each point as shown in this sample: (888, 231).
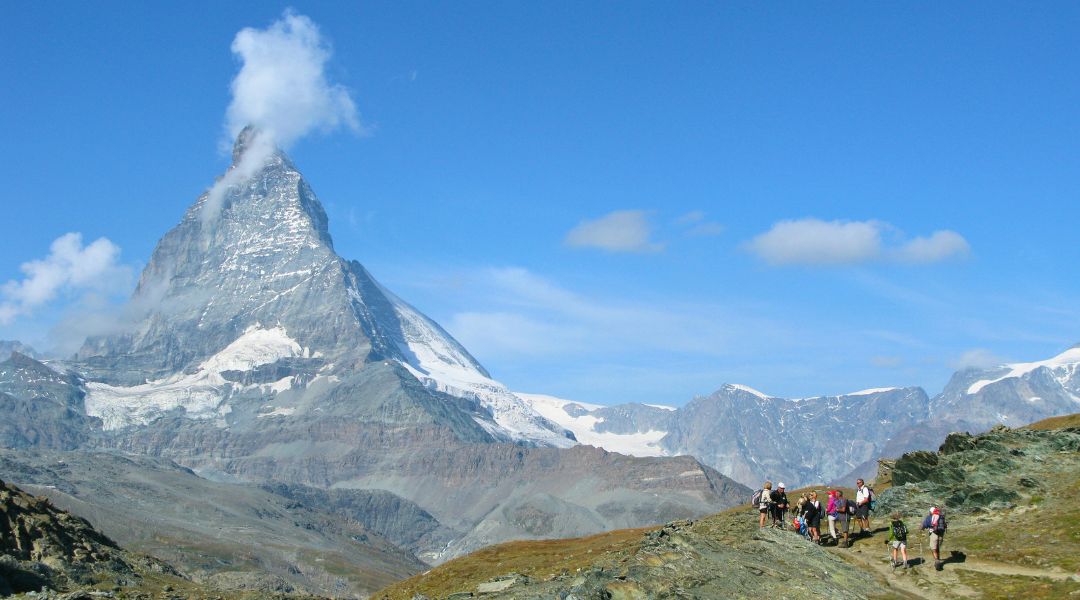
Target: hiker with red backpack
(935, 522)
(811, 512)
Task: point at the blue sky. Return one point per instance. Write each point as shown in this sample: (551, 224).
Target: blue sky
(608, 201)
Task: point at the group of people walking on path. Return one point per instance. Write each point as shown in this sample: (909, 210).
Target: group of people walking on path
(843, 515)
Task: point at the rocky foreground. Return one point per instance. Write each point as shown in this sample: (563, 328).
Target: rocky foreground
(1010, 496)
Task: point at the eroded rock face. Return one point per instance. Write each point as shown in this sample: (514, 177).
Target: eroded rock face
(971, 474)
(41, 545)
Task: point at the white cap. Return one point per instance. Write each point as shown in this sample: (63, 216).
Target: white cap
(932, 509)
(780, 485)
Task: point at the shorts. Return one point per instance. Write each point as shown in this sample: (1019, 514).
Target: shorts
(763, 510)
(842, 522)
(813, 521)
(862, 511)
(935, 541)
(898, 545)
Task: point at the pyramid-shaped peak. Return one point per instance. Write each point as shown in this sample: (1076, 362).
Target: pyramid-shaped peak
(244, 140)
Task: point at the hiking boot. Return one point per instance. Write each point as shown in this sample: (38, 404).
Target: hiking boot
(938, 565)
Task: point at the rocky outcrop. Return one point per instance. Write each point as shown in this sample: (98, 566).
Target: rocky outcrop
(43, 546)
(992, 471)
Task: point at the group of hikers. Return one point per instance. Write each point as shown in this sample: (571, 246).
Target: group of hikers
(809, 511)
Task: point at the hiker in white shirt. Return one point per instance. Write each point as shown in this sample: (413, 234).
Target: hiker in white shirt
(863, 495)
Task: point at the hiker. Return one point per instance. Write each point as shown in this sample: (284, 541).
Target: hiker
(863, 496)
(830, 510)
(935, 522)
(898, 539)
(764, 502)
(844, 508)
(779, 505)
(811, 513)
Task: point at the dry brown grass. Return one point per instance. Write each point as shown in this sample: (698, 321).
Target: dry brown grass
(1066, 421)
(539, 559)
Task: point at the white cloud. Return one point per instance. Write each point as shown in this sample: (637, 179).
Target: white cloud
(69, 267)
(941, 245)
(696, 225)
(977, 358)
(282, 91)
(815, 242)
(619, 231)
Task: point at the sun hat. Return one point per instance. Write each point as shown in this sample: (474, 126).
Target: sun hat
(780, 485)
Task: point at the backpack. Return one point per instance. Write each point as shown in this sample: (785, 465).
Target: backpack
(755, 500)
(872, 496)
(941, 526)
(821, 510)
(899, 531)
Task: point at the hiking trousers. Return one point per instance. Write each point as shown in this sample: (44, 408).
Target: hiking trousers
(832, 526)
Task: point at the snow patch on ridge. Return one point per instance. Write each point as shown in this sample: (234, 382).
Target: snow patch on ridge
(583, 427)
(439, 362)
(867, 392)
(747, 389)
(1067, 361)
(201, 393)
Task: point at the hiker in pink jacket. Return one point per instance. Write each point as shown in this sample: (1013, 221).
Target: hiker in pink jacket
(830, 510)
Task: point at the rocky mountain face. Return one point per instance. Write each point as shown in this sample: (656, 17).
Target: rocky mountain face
(1012, 394)
(42, 408)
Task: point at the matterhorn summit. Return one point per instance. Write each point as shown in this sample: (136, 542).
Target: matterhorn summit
(246, 298)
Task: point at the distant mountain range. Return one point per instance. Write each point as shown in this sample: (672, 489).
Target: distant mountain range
(752, 436)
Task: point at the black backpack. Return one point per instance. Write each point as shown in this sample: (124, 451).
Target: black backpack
(899, 531)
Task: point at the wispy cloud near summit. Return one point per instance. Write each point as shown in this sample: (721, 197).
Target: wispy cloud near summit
(282, 88)
(282, 92)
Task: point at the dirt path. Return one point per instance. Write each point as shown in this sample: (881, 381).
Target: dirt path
(921, 580)
(997, 568)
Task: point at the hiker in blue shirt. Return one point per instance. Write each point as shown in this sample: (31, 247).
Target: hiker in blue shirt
(935, 522)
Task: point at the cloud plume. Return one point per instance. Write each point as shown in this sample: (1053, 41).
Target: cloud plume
(282, 91)
(69, 267)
